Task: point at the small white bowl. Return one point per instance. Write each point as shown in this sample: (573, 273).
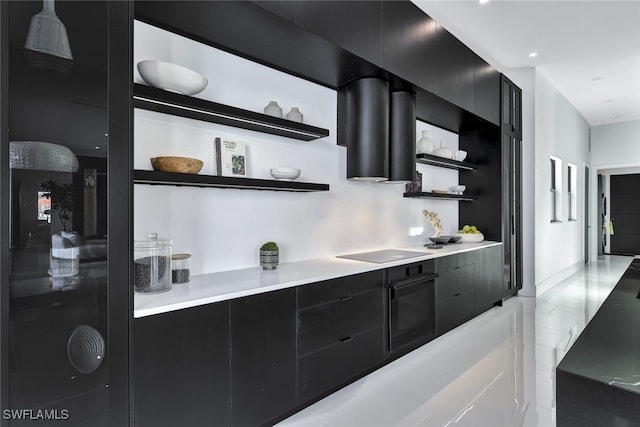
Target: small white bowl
(286, 174)
(460, 155)
(171, 77)
(457, 189)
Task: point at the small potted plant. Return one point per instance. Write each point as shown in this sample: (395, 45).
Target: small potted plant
(269, 256)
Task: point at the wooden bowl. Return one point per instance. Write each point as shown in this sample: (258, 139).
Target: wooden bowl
(176, 164)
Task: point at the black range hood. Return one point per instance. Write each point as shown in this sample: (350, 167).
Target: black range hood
(379, 131)
(402, 138)
(363, 117)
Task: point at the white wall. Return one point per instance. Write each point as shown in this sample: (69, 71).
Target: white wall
(562, 132)
(616, 145)
(223, 228)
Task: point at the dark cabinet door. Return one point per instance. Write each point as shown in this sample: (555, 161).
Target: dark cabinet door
(340, 332)
(325, 370)
(351, 25)
(507, 212)
(64, 295)
(281, 8)
(181, 375)
(455, 297)
(454, 70)
(511, 145)
(517, 112)
(329, 324)
(263, 357)
(511, 108)
(488, 278)
(506, 110)
(486, 90)
(409, 43)
(341, 288)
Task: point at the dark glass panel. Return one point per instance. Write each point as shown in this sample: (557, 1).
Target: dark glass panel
(58, 246)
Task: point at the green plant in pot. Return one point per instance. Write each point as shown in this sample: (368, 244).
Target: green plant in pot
(269, 256)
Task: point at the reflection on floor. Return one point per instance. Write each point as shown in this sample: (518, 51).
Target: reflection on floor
(496, 370)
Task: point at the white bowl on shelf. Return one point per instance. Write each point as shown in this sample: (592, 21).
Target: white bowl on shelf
(470, 238)
(285, 174)
(457, 189)
(171, 77)
(460, 155)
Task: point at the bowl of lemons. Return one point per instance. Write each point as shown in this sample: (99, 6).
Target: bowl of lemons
(469, 234)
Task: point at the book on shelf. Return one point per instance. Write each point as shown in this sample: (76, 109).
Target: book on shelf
(231, 158)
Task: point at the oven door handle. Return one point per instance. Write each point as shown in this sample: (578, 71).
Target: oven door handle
(401, 287)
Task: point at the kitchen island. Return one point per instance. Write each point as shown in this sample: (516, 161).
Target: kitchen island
(598, 381)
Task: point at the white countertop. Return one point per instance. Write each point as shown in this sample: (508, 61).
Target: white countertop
(227, 285)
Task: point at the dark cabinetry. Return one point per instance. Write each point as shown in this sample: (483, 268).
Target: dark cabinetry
(263, 372)
(281, 8)
(454, 70)
(455, 294)
(340, 332)
(229, 363)
(486, 90)
(64, 309)
(181, 370)
(488, 278)
(253, 360)
(511, 108)
(352, 25)
(511, 167)
(409, 43)
(400, 38)
(418, 49)
(467, 284)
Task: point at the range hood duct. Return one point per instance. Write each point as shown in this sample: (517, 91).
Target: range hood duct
(366, 129)
(402, 139)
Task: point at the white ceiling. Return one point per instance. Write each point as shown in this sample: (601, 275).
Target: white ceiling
(588, 50)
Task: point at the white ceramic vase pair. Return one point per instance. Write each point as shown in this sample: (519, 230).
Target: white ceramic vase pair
(426, 146)
(273, 109)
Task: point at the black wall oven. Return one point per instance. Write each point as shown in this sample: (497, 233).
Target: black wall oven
(411, 305)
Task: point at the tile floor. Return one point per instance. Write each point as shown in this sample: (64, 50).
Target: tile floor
(496, 370)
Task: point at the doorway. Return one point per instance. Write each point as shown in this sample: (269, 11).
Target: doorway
(625, 214)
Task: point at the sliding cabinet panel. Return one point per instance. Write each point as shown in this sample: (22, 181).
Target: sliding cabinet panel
(60, 338)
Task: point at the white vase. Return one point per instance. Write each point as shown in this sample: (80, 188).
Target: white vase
(273, 109)
(444, 151)
(424, 144)
(294, 115)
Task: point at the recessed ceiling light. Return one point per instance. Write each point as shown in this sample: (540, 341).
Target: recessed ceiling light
(483, 1)
(533, 54)
(608, 100)
(97, 148)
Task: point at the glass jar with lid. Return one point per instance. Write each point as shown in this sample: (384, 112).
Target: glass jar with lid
(152, 264)
(180, 272)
